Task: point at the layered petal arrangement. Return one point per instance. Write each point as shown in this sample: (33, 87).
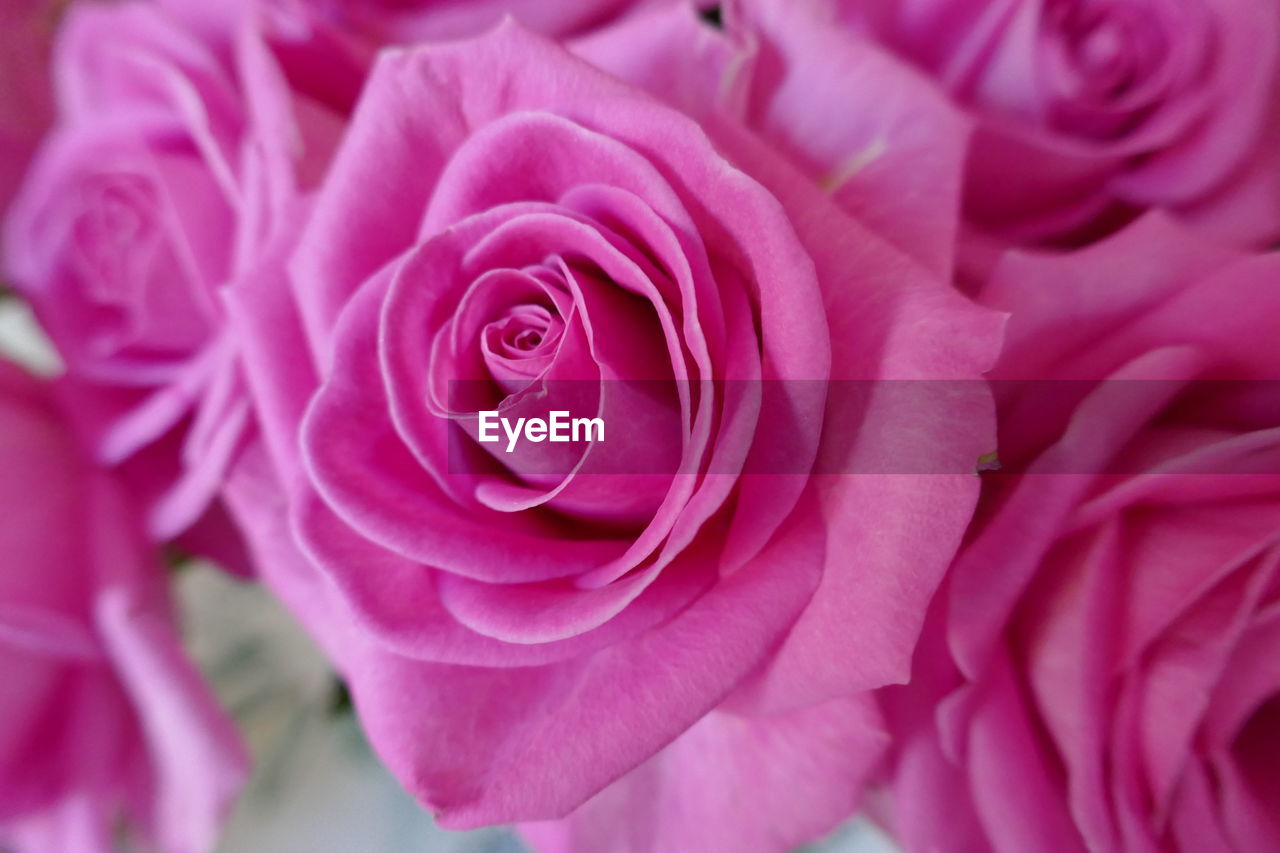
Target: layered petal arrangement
(588, 247)
(1106, 635)
(681, 427)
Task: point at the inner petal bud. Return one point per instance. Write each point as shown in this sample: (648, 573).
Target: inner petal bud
(518, 347)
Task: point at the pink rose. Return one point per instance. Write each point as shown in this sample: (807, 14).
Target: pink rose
(1088, 111)
(733, 781)
(522, 630)
(104, 717)
(1114, 619)
(175, 149)
(26, 27)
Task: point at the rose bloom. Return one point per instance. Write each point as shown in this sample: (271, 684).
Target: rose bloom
(144, 202)
(685, 608)
(104, 717)
(1102, 674)
(1087, 112)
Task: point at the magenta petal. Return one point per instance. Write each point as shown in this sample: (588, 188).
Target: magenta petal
(951, 340)
(398, 604)
(183, 724)
(732, 783)
(870, 130)
(556, 735)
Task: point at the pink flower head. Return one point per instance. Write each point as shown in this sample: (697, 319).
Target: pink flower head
(175, 148)
(1088, 112)
(1104, 673)
(507, 227)
(104, 717)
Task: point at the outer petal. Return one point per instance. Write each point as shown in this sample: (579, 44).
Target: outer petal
(199, 760)
(732, 783)
(890, 321)
(677, 57)
(881, 138)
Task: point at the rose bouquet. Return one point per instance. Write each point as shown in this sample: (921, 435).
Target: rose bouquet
(680, 427)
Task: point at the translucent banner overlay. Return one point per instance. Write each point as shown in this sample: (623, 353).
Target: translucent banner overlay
(554, 428)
